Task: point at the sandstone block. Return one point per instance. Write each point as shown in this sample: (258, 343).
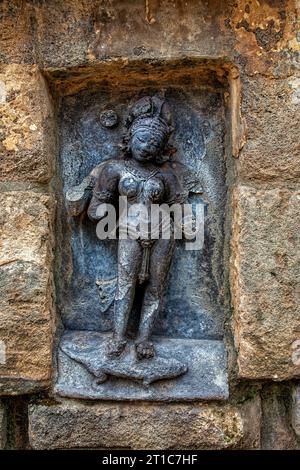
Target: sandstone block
(141, 426)
(271, 112)
(265, 276)
(277, 433)
(16, 34)
(27, 138)
(25, 291)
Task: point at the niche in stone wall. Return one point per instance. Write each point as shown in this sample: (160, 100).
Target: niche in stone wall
(93, 105)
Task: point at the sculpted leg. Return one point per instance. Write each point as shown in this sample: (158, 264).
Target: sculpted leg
(129, 259)
(160, 261)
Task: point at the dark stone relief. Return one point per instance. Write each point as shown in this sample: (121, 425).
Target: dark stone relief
(157, 298)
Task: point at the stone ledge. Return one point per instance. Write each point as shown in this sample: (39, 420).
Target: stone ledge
(68, 425)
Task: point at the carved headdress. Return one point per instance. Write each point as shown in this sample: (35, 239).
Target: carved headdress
(150, 112)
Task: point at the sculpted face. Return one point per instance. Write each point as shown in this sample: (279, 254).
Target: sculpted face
(145, 145)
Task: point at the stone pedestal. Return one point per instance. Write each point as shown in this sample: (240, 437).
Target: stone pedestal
(183, 369)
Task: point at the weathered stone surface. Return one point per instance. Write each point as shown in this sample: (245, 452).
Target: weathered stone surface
(265, 275)
(171, 426)
(277, 432)
(2, 426)
(27, 140)
(25, 291)
(271, 112)
(16, 32)
(265, 36)
(183, 369)
(251, 417)
(127, 28)
(260, 38)
(296, 410)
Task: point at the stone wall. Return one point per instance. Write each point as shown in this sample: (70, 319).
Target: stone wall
(52, 49)
(3, 426)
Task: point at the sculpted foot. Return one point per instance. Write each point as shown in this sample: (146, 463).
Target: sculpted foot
(115, 347)
(144, 350)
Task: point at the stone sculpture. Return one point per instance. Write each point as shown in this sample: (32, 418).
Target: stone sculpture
(144, 174)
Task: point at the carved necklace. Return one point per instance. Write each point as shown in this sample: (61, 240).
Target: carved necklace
(138, 173)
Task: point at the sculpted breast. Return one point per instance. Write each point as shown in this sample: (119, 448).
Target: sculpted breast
(129, 187)
(153, 189)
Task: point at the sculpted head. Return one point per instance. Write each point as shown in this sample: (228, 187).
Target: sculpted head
(149, 128)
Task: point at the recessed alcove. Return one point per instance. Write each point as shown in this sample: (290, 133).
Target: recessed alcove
(194, 301)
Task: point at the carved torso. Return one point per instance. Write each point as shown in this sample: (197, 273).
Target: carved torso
(146, 185)
(144, 190)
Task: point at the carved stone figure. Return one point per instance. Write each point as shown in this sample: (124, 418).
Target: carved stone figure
(144, 174)
(142, 313)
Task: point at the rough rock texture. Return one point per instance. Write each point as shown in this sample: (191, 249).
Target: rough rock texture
(295, 411)
(16, 36)
(260, 38)
(271, 113)
(69, 425)
(265, 271)
(25, 291)
(181, 370)
(277, 432)
(27, 141)
(2, 426)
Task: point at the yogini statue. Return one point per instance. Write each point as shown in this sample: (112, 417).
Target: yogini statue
(146, 174)
(142, 176)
